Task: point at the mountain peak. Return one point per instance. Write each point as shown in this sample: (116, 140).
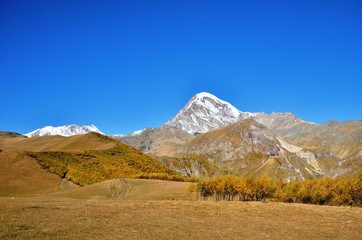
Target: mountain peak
(202, 95)
(203, 98)
(66, 130)
(204, 112)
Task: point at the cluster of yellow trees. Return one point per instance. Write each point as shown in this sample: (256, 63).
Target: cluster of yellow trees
(343, 191)
(164, 176)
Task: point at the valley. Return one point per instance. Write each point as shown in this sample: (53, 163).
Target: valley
(74, 182)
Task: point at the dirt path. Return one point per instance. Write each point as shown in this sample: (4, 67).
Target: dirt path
(117, 188)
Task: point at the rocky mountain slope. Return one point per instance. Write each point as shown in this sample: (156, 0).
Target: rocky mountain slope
(157, 141)
(235, 141)
(343, 139)
(211, 137)
(280, 123)
(332, 140)
(249, 148)
(66, 130)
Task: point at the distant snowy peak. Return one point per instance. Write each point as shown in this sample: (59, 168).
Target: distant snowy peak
(135, 133)
(138, 132)
(204, 112)
(66, 130)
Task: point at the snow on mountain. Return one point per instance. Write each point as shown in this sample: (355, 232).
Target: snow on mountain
(66, 130)
(205, 112)
(138, 132)
(135, 133)
(117, 135)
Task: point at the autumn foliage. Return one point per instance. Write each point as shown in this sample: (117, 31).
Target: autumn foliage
(324, 191)
(88, 167)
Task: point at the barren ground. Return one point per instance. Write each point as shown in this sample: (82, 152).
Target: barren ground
(152, 209)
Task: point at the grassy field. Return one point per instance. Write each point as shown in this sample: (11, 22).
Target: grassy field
(154, 209)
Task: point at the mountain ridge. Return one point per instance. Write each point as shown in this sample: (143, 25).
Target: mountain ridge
(221, 139)
(65, 130)
(209, 137)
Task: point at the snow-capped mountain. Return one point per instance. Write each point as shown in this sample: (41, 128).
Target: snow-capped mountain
(66, 130)
(205, 112)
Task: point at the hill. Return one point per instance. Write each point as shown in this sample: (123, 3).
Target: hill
(82, 159)
(89, 166)
(90, 141)
(21, 175)
(5, 134)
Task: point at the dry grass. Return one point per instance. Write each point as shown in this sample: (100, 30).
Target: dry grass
(90, 141)
(139, 189)
(21, 175)
(147, 212)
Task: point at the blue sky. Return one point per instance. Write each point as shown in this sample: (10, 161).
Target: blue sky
(127, 65)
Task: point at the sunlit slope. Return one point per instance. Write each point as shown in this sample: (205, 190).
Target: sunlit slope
(21, 175)
(342, 139)
(90, 141)
(90, 166)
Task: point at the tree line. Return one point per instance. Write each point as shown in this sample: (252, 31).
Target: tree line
(323, 191)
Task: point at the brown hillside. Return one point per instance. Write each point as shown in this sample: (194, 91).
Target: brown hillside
(90, 141)
(83, 159)
(21, 175)
(107, 159)
(5, 134)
